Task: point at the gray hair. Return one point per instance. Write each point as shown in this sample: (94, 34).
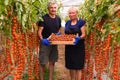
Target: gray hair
(50, 3)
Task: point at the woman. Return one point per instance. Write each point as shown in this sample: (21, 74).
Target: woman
(75, 54)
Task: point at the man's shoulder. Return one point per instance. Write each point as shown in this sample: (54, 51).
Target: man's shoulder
(46, 15)
(57, 16)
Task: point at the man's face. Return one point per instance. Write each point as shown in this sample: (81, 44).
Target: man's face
(52, 9)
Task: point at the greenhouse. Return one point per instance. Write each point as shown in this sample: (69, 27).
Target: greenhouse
(19, 40)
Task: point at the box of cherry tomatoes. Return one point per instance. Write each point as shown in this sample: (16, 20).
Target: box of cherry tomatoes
(66, 39)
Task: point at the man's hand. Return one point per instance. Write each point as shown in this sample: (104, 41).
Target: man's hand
(46, 42)
(58, 33)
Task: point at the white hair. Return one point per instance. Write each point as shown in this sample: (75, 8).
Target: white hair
(73, 8)
(50, 3)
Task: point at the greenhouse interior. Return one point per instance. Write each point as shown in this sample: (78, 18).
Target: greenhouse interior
(19, 40)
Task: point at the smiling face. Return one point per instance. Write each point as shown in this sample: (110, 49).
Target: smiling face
(73, 13)
(52, 7)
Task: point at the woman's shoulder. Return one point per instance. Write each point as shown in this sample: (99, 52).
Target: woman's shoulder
(68, 21)
(81, 22)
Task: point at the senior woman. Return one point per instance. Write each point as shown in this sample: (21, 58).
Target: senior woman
(75, 54)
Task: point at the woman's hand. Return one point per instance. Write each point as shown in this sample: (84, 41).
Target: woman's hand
(77, 38)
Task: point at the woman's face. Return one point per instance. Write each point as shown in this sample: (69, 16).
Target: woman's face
(72, 13)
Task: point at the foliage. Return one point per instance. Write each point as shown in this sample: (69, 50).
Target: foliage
(103, 13)
(28, 12)
(20, 49)
(102, 41)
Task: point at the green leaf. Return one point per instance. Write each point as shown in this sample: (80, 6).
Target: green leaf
(6, 2)
(118, 39)
(24, 21)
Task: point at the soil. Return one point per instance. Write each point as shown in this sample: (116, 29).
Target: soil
(62, 72)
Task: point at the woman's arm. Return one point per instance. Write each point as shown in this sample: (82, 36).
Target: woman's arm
(83, 32)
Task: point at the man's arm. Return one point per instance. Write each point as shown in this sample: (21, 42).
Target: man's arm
(40, 33)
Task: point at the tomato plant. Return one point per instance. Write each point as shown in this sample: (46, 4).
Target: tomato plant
(102, 41)
(19, 33)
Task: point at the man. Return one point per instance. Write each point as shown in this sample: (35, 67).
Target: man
(48, 53)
